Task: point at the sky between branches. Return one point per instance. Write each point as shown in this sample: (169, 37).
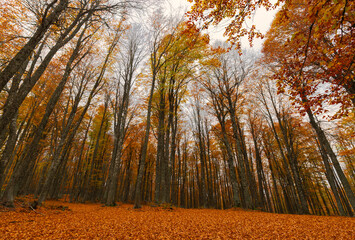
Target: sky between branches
(262, 19)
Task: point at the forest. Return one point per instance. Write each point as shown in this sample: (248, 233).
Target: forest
(98, 107)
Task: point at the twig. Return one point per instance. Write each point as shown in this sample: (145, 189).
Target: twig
(36, 211)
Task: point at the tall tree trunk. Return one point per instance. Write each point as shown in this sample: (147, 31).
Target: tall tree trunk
(17, 61)
(138, 194)
(324, 143)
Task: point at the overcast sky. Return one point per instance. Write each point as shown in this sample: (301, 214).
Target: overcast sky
(262, 19)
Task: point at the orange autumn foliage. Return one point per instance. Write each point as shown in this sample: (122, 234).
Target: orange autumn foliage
(92, 221)
(310, 47)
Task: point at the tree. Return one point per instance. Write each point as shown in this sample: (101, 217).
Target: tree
(129, 59)
(165, 47)
(309, 49)
(49, 15)
(302, 60)
(83, 14)
(189, 46)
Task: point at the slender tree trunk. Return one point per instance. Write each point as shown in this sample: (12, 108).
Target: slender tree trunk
(17, 61)
(138, 194)
(324, 143)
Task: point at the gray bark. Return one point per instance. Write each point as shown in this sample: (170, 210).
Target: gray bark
(17, 61)
(324, 143)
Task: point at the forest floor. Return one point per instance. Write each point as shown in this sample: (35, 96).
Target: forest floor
(62, 220)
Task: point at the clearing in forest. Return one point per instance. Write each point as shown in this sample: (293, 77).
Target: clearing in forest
(61, 220)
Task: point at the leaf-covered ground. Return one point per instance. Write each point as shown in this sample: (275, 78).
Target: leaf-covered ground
(92, 221)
